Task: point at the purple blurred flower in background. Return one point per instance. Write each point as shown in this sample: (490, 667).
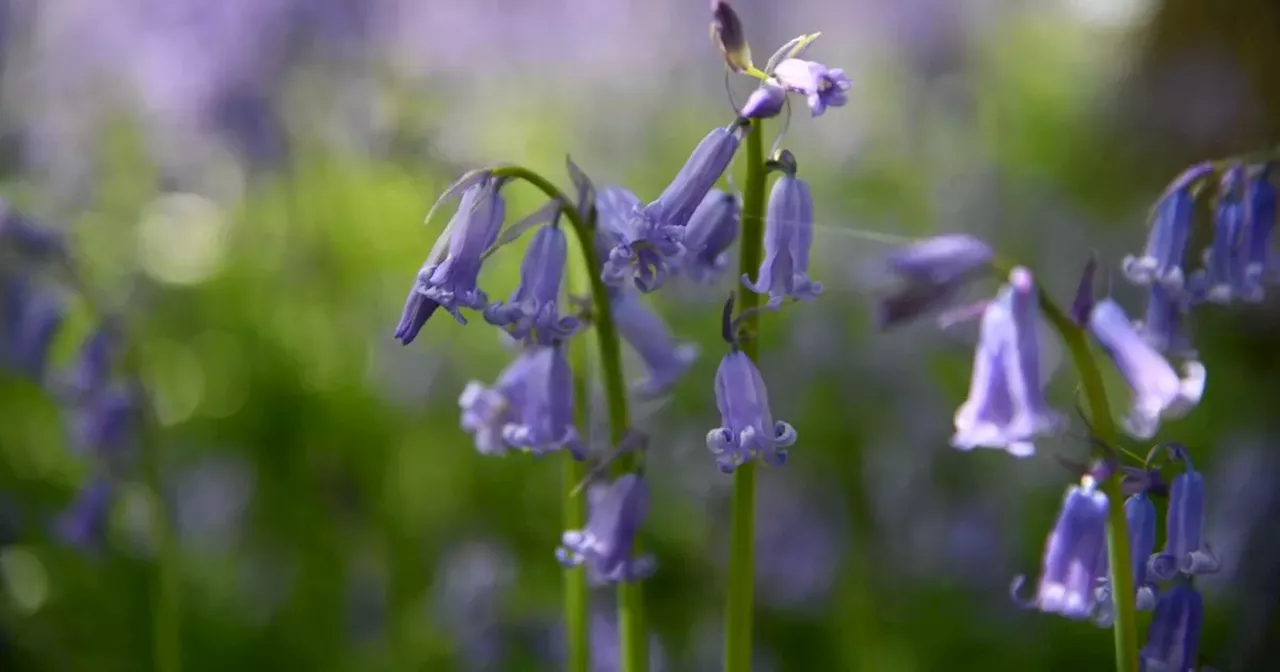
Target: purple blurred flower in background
(748, 429)
(1223, 275)
(545, 423)
(533, 312)
(84, 524)
(643, 329)
(1074, 556)
(1006, 407)
(710, 232)
(788, 237)
(616, 514)
(26, 239)
(1259, 225)
(1170, 232)
(29, 319)
(930, 273)
(822, 87)
(1184, 552)
(487, 410)
(1173, 638)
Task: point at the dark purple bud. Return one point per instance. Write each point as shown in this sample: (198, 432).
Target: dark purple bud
(929, 274)
(1157, 391)
(84, 524)
(28, 239)
(1260, 222)
(664, 358)
(748, 430)
(712, 156)
(487, 410)
(1167, 240)
(821, 86)
(605, 545)
(711, 230)
(1006, 407)
(1173, 638)
(29, 321)
(1074, 556)
(532, 315)
(1082, 305)
(788, 237)
(546, 423)
(729, 36)
(1223, 274)
(765, 102)
(1184, 551)
(1164, 327)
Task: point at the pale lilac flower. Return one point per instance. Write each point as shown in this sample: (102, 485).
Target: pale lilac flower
(1006, 407)
(546, 422)
(748, 430)
(788, 237)
(710, 232)
(1173, 638)
(1260, 222)
(606, 543)
(1157, 390)
(487, 410)
(664, 358)
(1170, 231)
(1184, 552)
(823, 87)
(533, 312)
(1074, 555)
(929, 274)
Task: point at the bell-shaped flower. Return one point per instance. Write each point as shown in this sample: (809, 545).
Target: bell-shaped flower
(605, 545)
(748, 429)
(1164, 327)
(1223, 274)
(676, 204)
(643, 329)
(83, 525)
(1006, 407)
(1184, 551)
(1074, 556)
(29, 321)
(487, 410)
(533, 313)
(1140, 516)
(929, 274)
(765, 102)
(1173, 638)
(1260, 223)
(710, 232)
(546, 419)
(823, 87)
(1157, 390)
(788, 237)
(449, 276)
(1170, 231)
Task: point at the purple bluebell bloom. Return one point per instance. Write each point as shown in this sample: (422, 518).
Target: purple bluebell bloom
(665, 359)
(84, 524)
(1223, 275)
(929, 273)
(614, 208)
(788, 237)
(29, 321)
(675, 205)
(1173, 638)
(1157, 390)
(1074, 556)
(1170, 232)
(711, 230)
(1140, 514)
(448, 279)
(533, 313)
(1260, 222)
(1184, 552)
(103, 423)
(606, 543)
(545, 423)
(487, 410)
(1164, 328)
(765, 102)
(748, 430)
(823, 87)
(1006, 407)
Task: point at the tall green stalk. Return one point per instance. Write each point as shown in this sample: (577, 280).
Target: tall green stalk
(632, 635)
(1122, 589)
(739, 603)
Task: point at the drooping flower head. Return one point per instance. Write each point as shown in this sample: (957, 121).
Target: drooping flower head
(605, 545)
(788, 237)
(533, 313)
(1164, 328)
(765, 102)
(1140, 514)
(487, 410)
(1173, 638)
(1169, 234)
(710, 232)
(822, 87)
(664, 358)
(449, 276)
(546, 422)
(1157, 390)
(1259, 225)
(748, 430)
(1223, 275)
(929, 274)
(1074, 555)
(1006, 407)
(1184, 550)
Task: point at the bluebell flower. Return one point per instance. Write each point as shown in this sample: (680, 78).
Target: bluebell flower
(1006, 407)
(29, 321)
(788, 237)
(929, 274)
(765, 102)
(545, 423)
(1140, 516)
(487, 410)
(1074, 555)
(448, 278)
(823, 87)
(1184, 552)
(1173, 638)
(1157, 390)
(710, 232)
(1164, 328)
(748, 430)
(533, 313)
(614, 208)
(1170, 231)
(1260, 222)
(675, 205)
(1223, 275)
(664, 358)
(83, 525)
(606, 544)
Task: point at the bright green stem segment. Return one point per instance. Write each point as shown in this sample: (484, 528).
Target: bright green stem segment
(1122, 589)
(739, 604)
(632, 635)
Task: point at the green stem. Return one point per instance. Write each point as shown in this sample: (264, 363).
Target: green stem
(1122, 589)
(739, 601)
(633, 639)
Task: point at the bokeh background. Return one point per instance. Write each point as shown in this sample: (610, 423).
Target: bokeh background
(248, 179)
